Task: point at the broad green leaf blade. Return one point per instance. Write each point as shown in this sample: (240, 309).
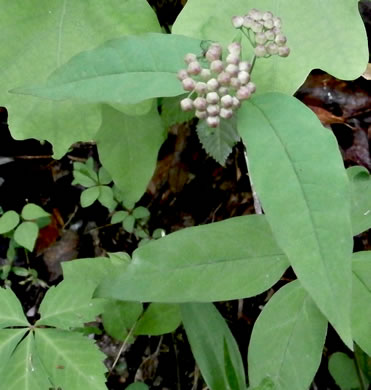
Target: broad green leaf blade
(62, 29)
(326, 35)
(287, 340)
(128, 148)
(89, 196)
(159, 318)
(360, 184)
(343, 370)
(8, 221)
(186, 266)
(218, 142)
(32, 211)
(9, 338)
(298, 173)
(361, 300)
(127, 70)
(26, 234)
(72, 361)
(69, 305)
(11, 313)
(119, 317)
(24, 370)
(106, 197)
(208, 333)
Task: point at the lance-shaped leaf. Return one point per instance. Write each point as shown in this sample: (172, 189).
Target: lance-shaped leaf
(360, 183)
(11, 313)
(128, 148)
(298, 173)
(69, 305)
(361, 300)
(224, 260)
(126, 70)
(287, 340)
(62, 29)
(213, 346)
(24, 370)
(327, 35)
(71, 360)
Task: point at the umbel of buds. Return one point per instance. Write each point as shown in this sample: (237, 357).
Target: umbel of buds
(219, 87)
(264, 32)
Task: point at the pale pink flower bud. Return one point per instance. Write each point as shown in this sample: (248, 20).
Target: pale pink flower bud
(277, 22)
(226, 113)
(260, 51)
(267, 15)
(248, 21)
(201, 114)
(260, 38)
(224, 78)
(213, 121)
(217, 48)
(212, 85)
(234, 48)
(212, 97)
(205, 74)
(190, 57)
(235, 83)
(243, 76)
(243, 93)
(194, 68)
(269, 35)
(232, 69)
(237, 21)
(212, 54)
(213, 109)
(251, 86)
(216, 66)
(268, 24)
(200, 103)
(244, 65)
(283, 51)
(201, 87)
(223, 91)
(255, 14)
(227, 101)
(232, 58)
(257, 27)
(182, 74)
(272, 48)
(280, 39)
(236, 102)
(186, 104)
(188, 84)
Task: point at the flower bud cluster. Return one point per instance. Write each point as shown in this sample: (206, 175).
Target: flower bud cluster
(220, 87)
(266, 30)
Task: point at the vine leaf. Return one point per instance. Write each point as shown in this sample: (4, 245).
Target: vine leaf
(298, 173)
(186, 266)
(287, 340)
(62, 29)
(218, 142)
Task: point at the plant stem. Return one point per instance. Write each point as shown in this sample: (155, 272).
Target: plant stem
(257, 204)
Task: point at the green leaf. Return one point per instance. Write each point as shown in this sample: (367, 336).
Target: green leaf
(62, 29)
(9, 339)
(207, 333)
(287, 340)
(343, 370)
(141, 212)
(119, 317)
(126, 70)
(128, 223)
(89, 196)
(128, 148)
(360, 183)
(32, 211)
(137, 386)
(24, 369)
(69, 305)
(298, 173)
(171, 113)
(186, 266)
(26, 235)
(119, 216)
(331, 36)
(218, 142)
(364, 363)
(159, 318)
(361, 300)
(106, 197)
(103, 176)
(8, 221)
(72, 361)
(85, 178)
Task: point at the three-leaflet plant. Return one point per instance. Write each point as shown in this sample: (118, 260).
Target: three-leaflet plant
(106, 85)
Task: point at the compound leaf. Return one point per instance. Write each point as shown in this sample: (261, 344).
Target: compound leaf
(210, 340)
(71, 360)
(186, 266)
(128, 148)
(11, 313)
(298, 173)
(331, 36)
(62, 29)
(287, 340)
